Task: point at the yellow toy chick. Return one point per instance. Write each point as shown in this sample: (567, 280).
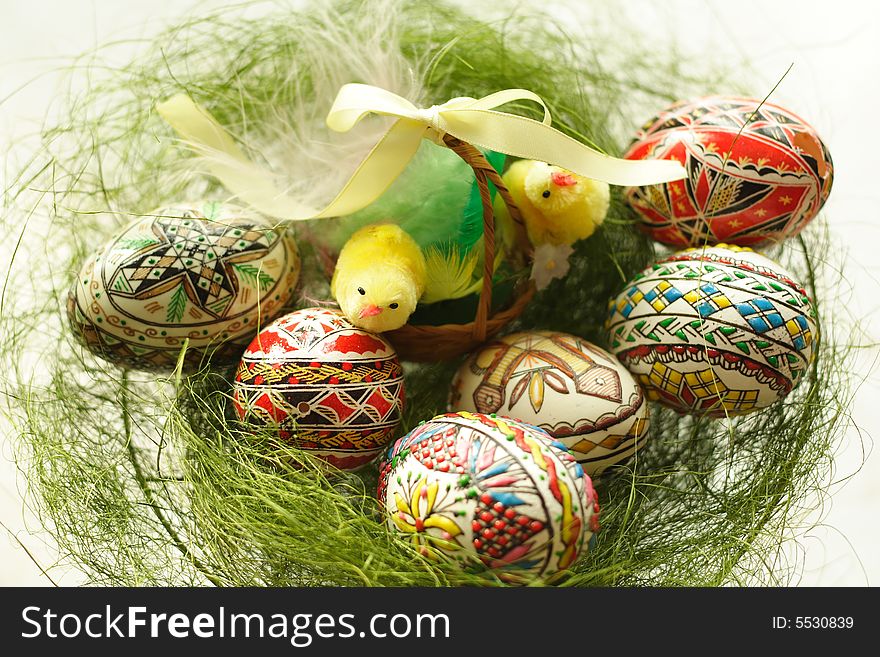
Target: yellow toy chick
(379, 277)
(558, 207)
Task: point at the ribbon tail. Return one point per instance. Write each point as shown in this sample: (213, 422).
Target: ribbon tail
(226, 161)
(522, 137)
(195, 124)
(255, 185)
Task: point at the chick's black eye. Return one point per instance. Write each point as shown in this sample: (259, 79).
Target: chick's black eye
(361, 290)
(393, 306)
(546, 193)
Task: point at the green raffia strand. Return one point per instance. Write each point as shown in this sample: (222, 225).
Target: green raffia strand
(137, 243)
(146, 482)
(472, 224)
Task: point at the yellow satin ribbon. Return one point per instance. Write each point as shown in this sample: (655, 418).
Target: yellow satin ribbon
(475, 121)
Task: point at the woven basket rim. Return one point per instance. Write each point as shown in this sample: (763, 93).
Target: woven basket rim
(431, 343)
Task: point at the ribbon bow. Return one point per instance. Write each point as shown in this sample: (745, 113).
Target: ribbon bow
(475, 121)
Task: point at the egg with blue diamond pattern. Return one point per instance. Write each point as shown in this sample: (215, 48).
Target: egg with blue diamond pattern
(204, 274)
(718, 330)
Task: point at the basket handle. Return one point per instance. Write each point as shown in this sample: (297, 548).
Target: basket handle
(484, 172)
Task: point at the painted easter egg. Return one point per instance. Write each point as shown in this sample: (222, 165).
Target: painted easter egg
(329, 387)
(756, 173)
(578, 393)
(489, 492)
(208, 273)
(717, 330)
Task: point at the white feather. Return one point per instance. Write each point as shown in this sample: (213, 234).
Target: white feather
(311, 162)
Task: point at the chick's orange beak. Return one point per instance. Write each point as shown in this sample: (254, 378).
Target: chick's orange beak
(562, 179)
(370, 310)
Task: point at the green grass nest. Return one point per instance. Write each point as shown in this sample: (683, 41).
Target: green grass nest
(142, 481)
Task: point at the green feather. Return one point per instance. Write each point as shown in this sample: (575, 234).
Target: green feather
(472, 223)
(435, 200)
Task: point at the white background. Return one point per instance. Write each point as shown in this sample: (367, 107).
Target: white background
(835, 84)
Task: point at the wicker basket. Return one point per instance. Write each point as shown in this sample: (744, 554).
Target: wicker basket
(429, 343)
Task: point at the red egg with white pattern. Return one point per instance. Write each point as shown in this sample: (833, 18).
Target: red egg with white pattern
(328, 386)
(756, 173)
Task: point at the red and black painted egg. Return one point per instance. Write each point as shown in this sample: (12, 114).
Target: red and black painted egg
(756, 173)
(327, 386)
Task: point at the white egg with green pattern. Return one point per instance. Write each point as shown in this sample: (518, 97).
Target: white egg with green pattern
(204, 274)
(578, 393)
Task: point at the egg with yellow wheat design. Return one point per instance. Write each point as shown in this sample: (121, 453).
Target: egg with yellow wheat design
(757, 173)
